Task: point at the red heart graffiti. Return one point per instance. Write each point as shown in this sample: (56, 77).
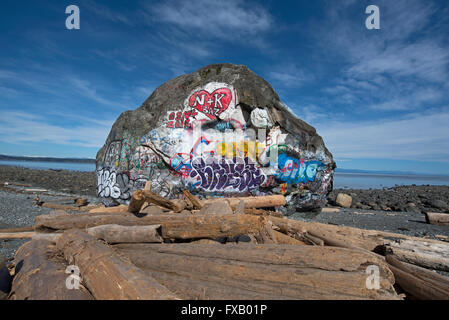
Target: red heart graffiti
(211, 104)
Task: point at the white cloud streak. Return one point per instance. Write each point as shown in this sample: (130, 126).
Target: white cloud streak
(19, 128)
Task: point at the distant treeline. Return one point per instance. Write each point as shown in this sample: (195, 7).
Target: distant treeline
(45, 159)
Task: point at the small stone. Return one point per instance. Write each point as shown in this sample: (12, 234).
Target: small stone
(440, 204)
(344, 200)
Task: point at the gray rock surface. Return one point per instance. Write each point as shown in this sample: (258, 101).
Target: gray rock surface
(220, 131)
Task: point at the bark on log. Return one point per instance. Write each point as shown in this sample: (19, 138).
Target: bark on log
(136, 202)
(108, 276)
(40, 274)
(172, 226)
(122, 234)
(284, 271)
(440, 219)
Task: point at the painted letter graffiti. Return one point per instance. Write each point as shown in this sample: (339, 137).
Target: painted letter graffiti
(211, 104)
(222, 175)
(297, 171)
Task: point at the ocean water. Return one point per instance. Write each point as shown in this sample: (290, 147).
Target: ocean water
(342, 180)
(72, 166)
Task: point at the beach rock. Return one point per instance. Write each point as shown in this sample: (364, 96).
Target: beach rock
(436, 203)
(343, 200)
(221, 131)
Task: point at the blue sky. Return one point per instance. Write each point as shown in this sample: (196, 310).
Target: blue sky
(379, 98)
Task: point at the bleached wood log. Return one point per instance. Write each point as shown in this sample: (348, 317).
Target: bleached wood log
(253, 202)
(107, 275)
(440, 219)
(421, 252)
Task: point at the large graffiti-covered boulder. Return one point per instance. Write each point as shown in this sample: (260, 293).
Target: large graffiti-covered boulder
(220, 132)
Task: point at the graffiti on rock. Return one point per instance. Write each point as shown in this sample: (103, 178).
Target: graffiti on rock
(115, 185)
(211, 104)
(225, 175)
(214, 100)
(180, 119)
(297, 171)
(107, 184)
(210, 146)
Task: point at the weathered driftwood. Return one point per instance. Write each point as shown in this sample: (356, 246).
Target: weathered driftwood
(122, 234)
(114, 234)
(16, 235)
(440, 219)
(194, 200)
(280, 271)
(136, 202)
(107, 275)
(117, 209)
(152, 197)
(422, 252)
(431, 277)
(172, 226)
(258, 212)
(417, 286)
(40, 274)
(13, 230)
(253, 202)
(285, 239)
(351, 237)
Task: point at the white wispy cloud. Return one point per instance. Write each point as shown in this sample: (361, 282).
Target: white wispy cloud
(20, 127)
(226, 19)
(421, 136)
(86, 89)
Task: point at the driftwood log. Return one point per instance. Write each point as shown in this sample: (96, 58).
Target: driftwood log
(422, 252)
(106, 274)
(40, 274)
(172, 226)
(440, 219)
(246, 271)
(136, 202)
(428, 253)
(122, 234)
(418, 282)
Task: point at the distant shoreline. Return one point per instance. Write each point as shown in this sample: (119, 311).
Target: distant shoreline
(45, 159)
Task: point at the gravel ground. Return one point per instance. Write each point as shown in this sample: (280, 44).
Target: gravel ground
(407, 223)
(17, 210)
